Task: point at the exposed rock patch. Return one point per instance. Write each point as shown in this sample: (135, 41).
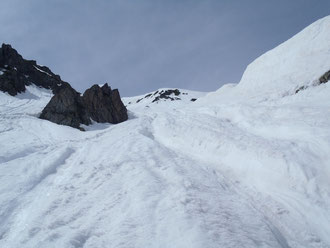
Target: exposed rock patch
(16, 73)
(100, 104)
(11, 82)
(168, 94)
(322, 80)
(66, 108)
(325, 78)
(104, 104)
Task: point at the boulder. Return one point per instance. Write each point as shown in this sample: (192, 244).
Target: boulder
(104, 104)
(100, 104)
(66, 108)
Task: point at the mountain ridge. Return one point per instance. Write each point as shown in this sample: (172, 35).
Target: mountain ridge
(66, 107)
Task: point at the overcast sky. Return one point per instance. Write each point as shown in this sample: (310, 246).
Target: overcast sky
(140, 46)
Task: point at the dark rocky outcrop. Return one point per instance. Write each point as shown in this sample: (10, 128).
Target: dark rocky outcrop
(11, 81)
(66, 108)
(16, 73)
(170, 94)
(104, 104)
(322, 80)
(167, 94)
(100, 104)
(325, 78)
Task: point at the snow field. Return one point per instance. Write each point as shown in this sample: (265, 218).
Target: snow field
(245, 166)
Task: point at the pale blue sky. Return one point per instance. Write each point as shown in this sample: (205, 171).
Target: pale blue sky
(140, 46)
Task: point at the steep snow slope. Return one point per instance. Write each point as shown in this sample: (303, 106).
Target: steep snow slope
(297, 62)
(246, 166)
(300, 61)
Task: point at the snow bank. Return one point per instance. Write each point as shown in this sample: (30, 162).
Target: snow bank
(299, 61)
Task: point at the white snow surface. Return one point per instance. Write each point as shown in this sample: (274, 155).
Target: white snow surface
(246, 166)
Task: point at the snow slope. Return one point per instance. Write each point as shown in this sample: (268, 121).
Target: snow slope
(300, 61)
(246, 166)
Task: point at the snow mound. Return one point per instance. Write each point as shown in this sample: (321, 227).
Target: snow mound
(299, 61)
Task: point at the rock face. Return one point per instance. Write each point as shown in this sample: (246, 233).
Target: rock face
(325, 78)
(66, 108)
(11, 81)
(16, 73)
(100, 104)
(104, 104)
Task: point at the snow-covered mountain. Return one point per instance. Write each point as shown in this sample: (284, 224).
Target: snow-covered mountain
(164, 98)
(245, 166)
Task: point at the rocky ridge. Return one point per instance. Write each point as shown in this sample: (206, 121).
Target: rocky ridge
(67, 106)
(17, 72)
